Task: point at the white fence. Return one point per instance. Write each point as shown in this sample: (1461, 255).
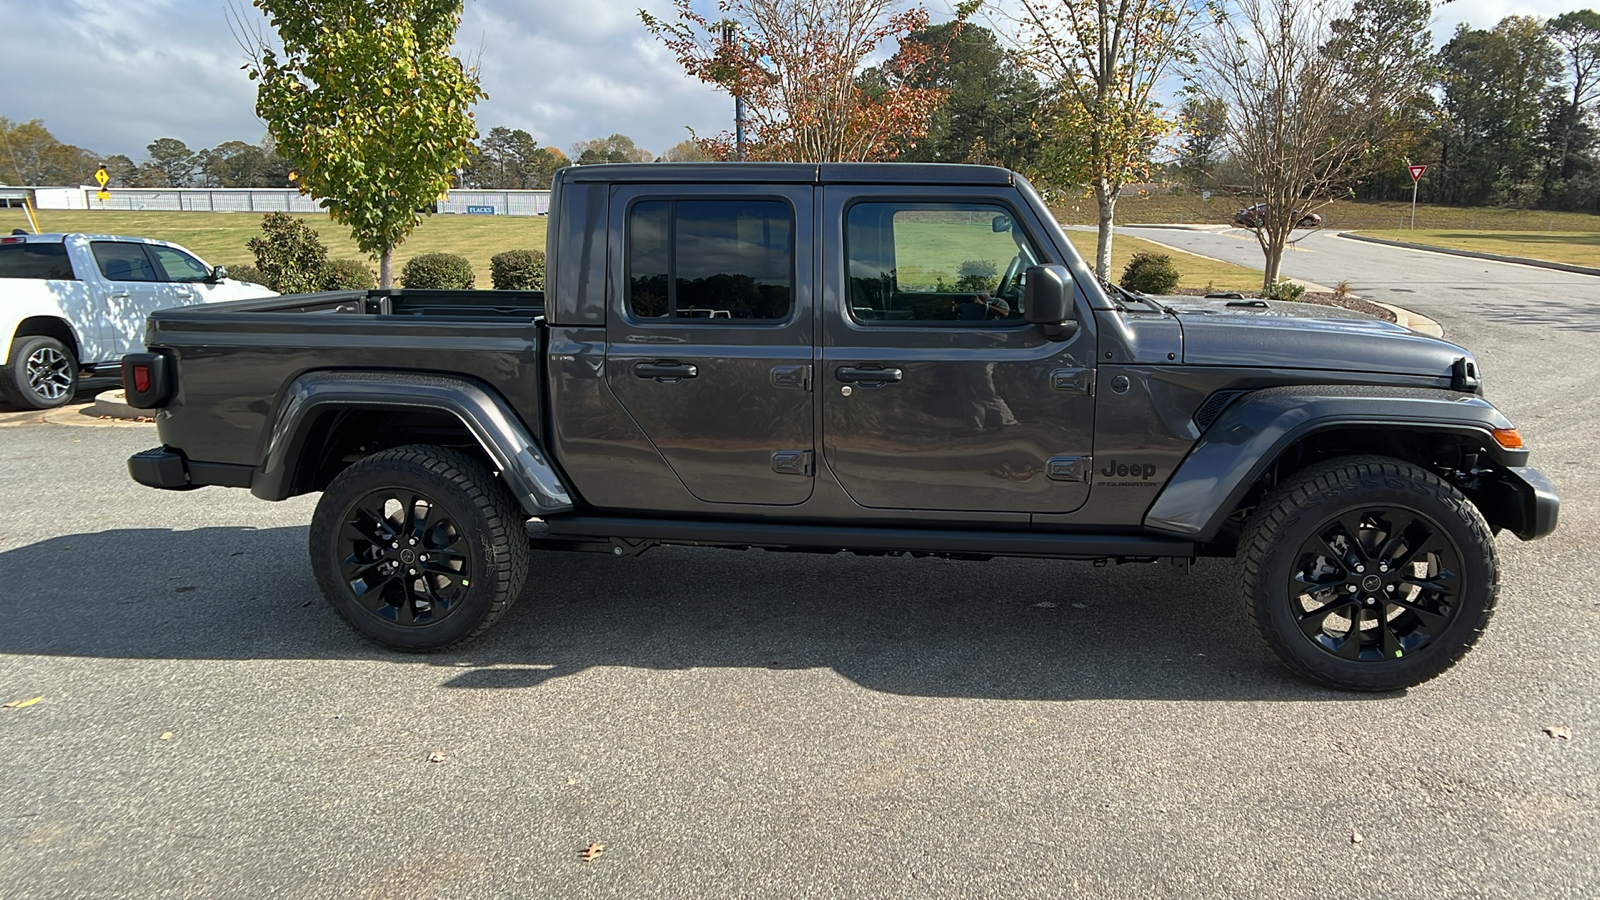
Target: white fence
(465, 202)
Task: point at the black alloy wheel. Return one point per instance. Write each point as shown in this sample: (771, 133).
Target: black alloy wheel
(403, 558)
(419, 548)
(1375, 583)
(1368, 573)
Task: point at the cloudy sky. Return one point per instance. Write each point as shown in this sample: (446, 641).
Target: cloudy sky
(113, 75)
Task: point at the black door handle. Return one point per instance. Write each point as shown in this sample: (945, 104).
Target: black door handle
(663, 369)
(868, 375)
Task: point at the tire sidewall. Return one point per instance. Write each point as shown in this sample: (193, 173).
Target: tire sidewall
(17, 388)
(333, 510)
(1454, 519)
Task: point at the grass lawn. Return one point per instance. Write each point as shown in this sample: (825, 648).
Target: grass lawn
(1575, 247)
(219, 238)
(1189, 209)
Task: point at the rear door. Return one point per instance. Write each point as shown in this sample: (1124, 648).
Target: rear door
(709, 335)
(935, 394)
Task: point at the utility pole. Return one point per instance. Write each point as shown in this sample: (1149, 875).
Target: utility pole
(730, 45)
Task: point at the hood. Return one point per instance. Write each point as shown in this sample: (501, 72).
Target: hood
(1284, 335)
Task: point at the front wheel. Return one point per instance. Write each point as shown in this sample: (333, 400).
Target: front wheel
(419, 548)
(42, 373)
(1368, 573)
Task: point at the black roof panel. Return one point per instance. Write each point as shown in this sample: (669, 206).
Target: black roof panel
(789, 173)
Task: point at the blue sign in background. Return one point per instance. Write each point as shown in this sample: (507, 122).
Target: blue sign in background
(480, 210)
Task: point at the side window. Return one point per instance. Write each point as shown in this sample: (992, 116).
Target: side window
(120, 261)
(711, 259)
(35, 260)
(179, 266)
(935, 263)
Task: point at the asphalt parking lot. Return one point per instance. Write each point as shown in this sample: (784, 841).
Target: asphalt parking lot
(779, 725)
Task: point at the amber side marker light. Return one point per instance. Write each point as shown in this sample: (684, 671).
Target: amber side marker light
(1507, 438)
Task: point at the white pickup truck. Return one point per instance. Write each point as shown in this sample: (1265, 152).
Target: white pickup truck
(73, 304)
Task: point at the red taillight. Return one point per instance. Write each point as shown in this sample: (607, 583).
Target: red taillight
(141, 378)
(12, 240)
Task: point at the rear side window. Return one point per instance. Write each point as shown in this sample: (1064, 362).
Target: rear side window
(33, 260)
(711, 260)
(121, 261)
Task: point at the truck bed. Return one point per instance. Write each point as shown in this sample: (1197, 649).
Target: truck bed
(224, 353)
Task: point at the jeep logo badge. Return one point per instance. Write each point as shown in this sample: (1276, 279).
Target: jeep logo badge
(1115, 469)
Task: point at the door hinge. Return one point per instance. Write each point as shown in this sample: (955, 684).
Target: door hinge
(792, 462)
(792, 377)
(1073, 381)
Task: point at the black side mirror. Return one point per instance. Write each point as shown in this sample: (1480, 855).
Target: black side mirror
(1000, 224)
(1047, 300)
(219, 273)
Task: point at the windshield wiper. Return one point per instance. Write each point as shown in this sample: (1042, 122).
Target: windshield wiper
(1137, 298)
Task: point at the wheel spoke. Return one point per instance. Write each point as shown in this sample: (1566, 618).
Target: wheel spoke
(1388, 643)
(1312, 623)
(371, 594)
(1432, 621)
(1350, 647)
(1399, 524)
(1431, 543)
(1351, 523)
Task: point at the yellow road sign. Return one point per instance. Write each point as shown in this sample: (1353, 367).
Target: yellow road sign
(101, 177)
(103, 195)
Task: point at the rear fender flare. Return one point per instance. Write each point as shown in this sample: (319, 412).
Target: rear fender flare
(522, 463)
(1255, 430)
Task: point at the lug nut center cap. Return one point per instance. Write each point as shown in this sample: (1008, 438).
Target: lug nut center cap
(408, 557)
(1371, 583)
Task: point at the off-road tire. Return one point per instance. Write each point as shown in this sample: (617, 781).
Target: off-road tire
(483, 521)
(1305, 509)
(15, 384)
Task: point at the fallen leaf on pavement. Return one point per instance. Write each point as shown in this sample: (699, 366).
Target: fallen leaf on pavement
(166, 735)
(1559, 731)
(591, 852)
(20, 704)
(436, 757)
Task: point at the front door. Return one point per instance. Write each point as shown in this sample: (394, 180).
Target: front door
(709, 335)
(935, 394)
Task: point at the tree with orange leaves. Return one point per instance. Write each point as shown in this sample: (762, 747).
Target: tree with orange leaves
(797, 64)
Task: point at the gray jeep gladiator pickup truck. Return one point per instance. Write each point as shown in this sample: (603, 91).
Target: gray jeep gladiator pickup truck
(874, 358)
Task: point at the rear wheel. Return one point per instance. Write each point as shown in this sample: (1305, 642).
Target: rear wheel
(419, 548)
(1368, 573)
(42, 373)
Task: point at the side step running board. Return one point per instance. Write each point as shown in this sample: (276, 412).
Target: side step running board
(924, 540)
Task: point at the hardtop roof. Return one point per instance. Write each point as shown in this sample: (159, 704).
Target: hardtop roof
(791, 173)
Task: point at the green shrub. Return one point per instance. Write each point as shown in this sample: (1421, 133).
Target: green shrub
(1286, 290)
(1150, 273)
(517, 270)
(290, 256)
(977, 275)
(246, 272)
(440, 271)
(348, 275)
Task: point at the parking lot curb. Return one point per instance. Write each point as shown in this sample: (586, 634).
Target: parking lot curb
(1475, 254)
(1415, 321)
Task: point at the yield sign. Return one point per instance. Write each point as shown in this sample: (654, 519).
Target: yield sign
(1416, 171)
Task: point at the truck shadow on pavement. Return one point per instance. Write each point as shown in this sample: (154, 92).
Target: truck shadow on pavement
(1003, 629)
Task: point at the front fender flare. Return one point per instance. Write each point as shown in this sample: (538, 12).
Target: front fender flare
(522, 463)
(1251, 433)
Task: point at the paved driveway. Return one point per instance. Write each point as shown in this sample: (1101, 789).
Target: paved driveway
(773, 725)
